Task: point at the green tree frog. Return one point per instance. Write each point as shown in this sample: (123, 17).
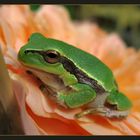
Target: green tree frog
(73, 78)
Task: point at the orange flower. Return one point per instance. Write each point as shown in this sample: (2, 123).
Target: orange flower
(39, 114)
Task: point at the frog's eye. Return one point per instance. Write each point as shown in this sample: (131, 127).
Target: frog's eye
(52, 56)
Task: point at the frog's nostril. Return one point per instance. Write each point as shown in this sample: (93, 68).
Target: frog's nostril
(28, 51)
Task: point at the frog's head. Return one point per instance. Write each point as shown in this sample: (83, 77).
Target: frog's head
(40, 53)
(44, 58)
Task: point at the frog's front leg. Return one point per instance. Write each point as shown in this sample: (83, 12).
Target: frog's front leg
(78, 95)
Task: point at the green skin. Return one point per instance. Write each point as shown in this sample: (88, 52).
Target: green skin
(81, 94)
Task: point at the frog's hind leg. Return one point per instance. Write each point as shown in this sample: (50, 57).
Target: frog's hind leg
(95, 107)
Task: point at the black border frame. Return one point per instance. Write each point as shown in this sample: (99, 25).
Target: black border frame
(2, 137)
(70, 137)
(70, 1)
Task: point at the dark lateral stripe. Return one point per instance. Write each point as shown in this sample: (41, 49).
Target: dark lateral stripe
(80, 75)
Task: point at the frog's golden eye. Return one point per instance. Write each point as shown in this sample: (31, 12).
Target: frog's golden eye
(52, 56)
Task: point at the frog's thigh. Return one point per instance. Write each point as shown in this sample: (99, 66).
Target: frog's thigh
(82, 94)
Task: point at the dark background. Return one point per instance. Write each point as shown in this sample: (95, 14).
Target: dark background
(123, 19)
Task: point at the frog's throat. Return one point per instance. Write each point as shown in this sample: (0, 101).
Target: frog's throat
(49, 84)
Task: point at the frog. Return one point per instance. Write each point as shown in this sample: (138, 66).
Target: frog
(73, 78)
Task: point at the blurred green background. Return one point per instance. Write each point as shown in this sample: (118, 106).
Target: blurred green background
(123, 19)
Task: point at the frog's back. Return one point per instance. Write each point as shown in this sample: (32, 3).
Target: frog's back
(93, 67)
(89, 64)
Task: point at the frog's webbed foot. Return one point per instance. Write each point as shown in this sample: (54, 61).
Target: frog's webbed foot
(100, 111)
(103, 112)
